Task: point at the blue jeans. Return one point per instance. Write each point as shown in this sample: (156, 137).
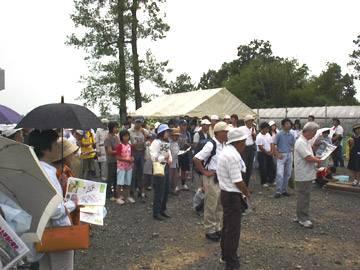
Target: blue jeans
(337, 157)
(161, 192)
(139, 160)
(283, 172)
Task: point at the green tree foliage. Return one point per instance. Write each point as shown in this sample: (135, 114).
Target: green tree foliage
(182, 84)
(263, 80)
(355, 58)
(108, 27)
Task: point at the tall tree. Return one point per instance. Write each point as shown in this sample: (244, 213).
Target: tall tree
(355, 58)
(182, 84)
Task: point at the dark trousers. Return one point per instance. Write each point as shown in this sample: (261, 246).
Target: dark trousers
(231, 203)
(111, 180)
(266, 168)
(139, 160)
(337, 157)
(161, 192)
(248, 157)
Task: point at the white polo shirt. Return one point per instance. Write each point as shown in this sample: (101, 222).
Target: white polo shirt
(304, 170)
(204, 154)
(229, 169)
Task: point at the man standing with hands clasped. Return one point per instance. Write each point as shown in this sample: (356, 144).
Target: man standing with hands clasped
(305, 173)
(229, 169)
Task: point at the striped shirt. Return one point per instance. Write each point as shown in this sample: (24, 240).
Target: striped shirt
(229, 169)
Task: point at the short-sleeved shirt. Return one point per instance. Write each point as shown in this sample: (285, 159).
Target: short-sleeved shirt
(113, 143)
(124, 151)
(264, 141)
(284, 142)
(85, 149)
(183, 139)
(138, 137)
(304, 170)
(197, 137)
(248, 131)
(229, 169)
(205, 153)
(338, 130)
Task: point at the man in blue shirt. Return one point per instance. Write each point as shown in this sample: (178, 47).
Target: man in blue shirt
(284, 145)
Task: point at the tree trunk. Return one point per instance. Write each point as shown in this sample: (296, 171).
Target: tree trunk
(135, 54)
(122, 70)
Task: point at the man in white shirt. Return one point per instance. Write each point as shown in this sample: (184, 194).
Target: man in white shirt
(100, 136)
(203, 133)
(212, 206)
(338, 134)
(265, 153)
(249, 151)
(229, 171)
(305, 173)
(214, 120)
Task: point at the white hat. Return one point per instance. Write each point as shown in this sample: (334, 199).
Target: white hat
(105, 121)
(215, 117)
(236, 134)
(205, 122)
(272, 122)
(156, 125)
(227, 117)
(221, 126)
(248, 118)
(10, 130)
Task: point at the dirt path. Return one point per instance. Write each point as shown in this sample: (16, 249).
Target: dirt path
(131, 239)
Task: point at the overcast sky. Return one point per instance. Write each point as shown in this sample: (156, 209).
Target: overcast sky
(39, 68)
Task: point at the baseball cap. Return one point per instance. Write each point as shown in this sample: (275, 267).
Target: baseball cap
(10, 130)
(138, 119)
(182, 122)
(221, 126)
(227, 117)
(215, 117)
(205, 122)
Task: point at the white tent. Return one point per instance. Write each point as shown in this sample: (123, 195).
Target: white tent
(195, 104)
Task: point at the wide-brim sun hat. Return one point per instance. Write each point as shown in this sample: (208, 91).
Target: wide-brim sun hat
(221, 126)
(236, 134)
(175, 132)
(163, 128)
(272, 122)
(321, 130)
(68, 148)
(248, 118)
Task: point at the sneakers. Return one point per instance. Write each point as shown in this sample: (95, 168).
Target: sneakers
(184, 187)
(213, 237)
(143, 198)
(277, 195)
(120, 201)
(130, 200)
(286, 194)
(355, 182)
(296, 219)
(306, 223)
(265, 185)
(272, 184)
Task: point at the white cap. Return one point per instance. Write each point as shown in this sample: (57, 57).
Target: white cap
(227, 117)
(215, 117)
(205, 122)
(236, 134)
(10, 130)
(221, 126)
(156, 125)
(105, 121)
(272, 122)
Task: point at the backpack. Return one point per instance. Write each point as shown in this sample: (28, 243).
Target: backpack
(199, 147)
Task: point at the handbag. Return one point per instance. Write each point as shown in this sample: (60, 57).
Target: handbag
(159, 169)
(64, 238)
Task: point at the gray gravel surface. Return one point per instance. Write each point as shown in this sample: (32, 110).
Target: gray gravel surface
(132, 239)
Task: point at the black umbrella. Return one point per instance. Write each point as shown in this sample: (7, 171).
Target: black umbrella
(60, 115)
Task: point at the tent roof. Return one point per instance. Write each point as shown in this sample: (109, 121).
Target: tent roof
(195, 104)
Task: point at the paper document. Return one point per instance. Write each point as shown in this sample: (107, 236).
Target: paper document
(88, 192)
(12, 248)
(329, 149)
(182, 152)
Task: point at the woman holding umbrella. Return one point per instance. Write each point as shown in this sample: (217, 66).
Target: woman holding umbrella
(160, 152)
(46, 148)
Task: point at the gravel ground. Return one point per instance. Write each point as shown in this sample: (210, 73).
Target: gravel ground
(132, 239)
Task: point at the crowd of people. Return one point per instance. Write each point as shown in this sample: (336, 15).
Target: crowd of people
(163, 156)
